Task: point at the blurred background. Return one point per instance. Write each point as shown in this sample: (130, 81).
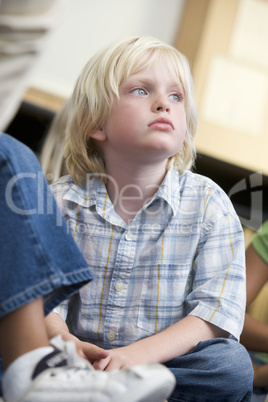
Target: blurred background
(89, 25)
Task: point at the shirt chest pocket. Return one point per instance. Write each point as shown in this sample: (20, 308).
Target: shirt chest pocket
(162, 298)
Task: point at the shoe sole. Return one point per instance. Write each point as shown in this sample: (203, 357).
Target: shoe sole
(153, 393)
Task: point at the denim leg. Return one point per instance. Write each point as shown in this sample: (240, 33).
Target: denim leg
(38, 257)
(215, 370)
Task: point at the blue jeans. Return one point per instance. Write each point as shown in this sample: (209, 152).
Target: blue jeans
(215, 370)
(38, 257)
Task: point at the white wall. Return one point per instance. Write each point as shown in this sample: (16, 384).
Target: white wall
(88, 25)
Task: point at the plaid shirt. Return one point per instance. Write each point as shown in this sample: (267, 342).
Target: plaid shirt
(182, 254)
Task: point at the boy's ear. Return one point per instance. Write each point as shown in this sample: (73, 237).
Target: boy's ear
(98, 135)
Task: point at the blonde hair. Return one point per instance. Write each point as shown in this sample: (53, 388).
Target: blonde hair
(52, 155)
(99, 82)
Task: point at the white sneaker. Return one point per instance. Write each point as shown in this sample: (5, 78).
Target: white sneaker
(64, 376)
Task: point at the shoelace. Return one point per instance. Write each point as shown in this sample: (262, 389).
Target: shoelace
(76, 365)
(69, 348)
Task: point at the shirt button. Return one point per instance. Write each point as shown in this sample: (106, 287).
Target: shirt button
(119, 286)
(111, 336)
(128, 236)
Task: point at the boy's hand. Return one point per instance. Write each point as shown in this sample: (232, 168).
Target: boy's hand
(119, 359)
(57, 326)
(91, 352)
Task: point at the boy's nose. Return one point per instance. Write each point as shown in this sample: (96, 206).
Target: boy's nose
(161, 104)
(162, 108)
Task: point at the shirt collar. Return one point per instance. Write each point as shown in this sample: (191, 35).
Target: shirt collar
(94, 192)
(169, 189)
(87, 194)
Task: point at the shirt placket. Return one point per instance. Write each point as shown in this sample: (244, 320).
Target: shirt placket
(117, 301)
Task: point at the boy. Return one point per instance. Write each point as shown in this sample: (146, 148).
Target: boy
(164, 245)
(41, 266)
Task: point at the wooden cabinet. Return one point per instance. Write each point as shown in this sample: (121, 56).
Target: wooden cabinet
(226, 42)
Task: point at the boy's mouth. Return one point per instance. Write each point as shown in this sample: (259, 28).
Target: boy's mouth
(162, 124)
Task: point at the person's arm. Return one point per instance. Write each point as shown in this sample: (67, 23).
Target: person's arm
(255, 333)
(56, 326)
(260, 375)
(257, 274)
(174, 341)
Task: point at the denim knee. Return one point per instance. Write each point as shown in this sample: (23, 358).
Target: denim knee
(215, 370)
(238, 362)
(239, 371)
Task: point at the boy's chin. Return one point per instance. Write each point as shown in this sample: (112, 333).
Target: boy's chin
(163, 151)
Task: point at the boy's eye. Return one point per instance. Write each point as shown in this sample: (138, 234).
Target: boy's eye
(176, 97)
(139, 91)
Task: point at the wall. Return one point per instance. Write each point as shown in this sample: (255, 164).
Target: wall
(230, 70)
(88, 25)
(226, 42)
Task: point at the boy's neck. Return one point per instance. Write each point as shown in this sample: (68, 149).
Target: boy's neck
(130, 189)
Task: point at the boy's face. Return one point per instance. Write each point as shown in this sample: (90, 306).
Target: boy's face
(148, 121)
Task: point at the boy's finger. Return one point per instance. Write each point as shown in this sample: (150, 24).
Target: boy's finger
(94, 353)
